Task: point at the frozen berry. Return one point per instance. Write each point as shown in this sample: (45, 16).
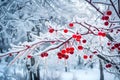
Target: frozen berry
(80, 47)
(65, 30)
(71, 25)
(106, 23)
(109, 12)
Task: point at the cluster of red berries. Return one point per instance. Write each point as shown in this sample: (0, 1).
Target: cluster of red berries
(108, 65)
(45, 54)
(77, 37)
(60, 55)
(115, 46)
(106, 17)
(103, 34)
(64, 53)
(86, 56)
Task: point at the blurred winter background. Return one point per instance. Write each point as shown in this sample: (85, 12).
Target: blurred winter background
(21, 18)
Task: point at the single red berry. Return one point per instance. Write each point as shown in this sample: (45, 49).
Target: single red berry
(106, 23)
(91, 56)
(66, 57)
(85, 56)
(67, 50)
(10, 54)
(109, 12)
(29, 56)
(113, 48)
(45, 54)
(74, 36)
(84, 41)
(63, 51)
(103, 17)
(59, 57)
(119, 48)
(108, 44)
(72, 49)
(108, 65)
(71, 52)
(80, 47)
(71, 25)
(42, 55)
(99, 33)
(78, 37)
(51, 30)
(58, 54)
(116, 45)
(103, 34)
(65, 30)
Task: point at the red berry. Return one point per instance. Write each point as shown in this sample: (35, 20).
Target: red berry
(106, 23)
(108, 44)
(108, 65)
(116, 45)
(113, 48)
(58, 54)
(10, 54)
(74, 36)
(85, 56)
(90, 56)
(80, 47)
(78, 36)
(66, 57)
(109, 12)
(63, 51)
(84, 41)
(45, 54)
(103, 17)
(51, 30)
(72, 49)
(29, 56)
(119, 48)
(106, 17)
(71, 25)
(42, 55)
(67, 50)
(65, 30)
(59, 57)
(103, 34)
(71, 52)
(99, 33)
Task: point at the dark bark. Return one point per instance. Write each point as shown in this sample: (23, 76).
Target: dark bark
(66, 69)
(101, 70)
(108, 61)
(119, 6)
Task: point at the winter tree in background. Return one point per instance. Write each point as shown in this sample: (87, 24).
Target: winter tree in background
(50, 39)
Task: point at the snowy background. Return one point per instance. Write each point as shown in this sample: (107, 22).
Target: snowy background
(25, 34)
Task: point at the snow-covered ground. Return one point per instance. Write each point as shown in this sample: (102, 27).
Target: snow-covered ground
(81, 74)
